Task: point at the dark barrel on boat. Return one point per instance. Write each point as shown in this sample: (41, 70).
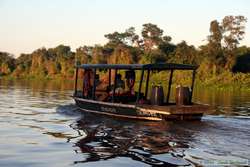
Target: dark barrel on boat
(157, 95)
(182, 96)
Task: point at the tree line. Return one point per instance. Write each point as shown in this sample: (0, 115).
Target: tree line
(220, 54)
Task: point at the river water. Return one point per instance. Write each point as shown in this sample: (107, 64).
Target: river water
(41, 126)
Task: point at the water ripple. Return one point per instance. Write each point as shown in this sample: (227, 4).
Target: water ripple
(41, 126)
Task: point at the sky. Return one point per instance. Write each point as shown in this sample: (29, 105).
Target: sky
(26, 25)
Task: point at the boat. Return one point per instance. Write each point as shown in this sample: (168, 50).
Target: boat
(134, 98)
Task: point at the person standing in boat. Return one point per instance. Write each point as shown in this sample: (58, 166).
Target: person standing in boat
(87, 83)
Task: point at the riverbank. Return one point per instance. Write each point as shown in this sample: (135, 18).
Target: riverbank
(224, 81)
(227, 81)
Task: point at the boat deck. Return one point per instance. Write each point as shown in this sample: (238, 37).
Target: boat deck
(182, 112)
(175, 109)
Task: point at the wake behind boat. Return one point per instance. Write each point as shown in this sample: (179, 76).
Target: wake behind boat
(115, 97)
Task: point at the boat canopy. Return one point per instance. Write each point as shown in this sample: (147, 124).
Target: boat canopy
(158, 66)
(143, 67)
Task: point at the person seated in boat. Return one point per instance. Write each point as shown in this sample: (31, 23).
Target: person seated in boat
(120, 84)
(97, 80)
(130, 81)
(101, 88)
(100, 85)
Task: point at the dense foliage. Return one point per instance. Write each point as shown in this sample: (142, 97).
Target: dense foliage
(218, 60)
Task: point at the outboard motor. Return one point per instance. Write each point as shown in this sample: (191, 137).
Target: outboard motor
(182, 96)
(157, 95)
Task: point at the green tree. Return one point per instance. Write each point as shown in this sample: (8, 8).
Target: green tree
(83, 54)
(98, 56)
(129, 37)
(151, 39)
(63, 51)
(214, 50)
(234, 30)
(166, 49)
(152, 36)
(222, 43)
(121, 55)
(39, 58)
(242, 63)
(7, 63)
(184, 54)
(23, 65)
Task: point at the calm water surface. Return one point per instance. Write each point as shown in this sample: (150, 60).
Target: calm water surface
(41, 126)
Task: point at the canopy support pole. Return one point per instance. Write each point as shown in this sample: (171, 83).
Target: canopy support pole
(139, 90)
(76, 78)
(192, 86)
(109, 78)
(169, 85)
(113, 94)
(147, 81)
(94, 85)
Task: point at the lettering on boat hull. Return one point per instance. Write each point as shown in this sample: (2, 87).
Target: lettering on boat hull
(108, 109)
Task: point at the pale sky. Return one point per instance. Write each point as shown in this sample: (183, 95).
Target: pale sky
(26, 25)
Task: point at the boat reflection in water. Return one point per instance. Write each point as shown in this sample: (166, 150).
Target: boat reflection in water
(153, 143)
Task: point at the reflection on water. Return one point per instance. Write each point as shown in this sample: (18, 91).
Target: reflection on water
(41, 126)
(106, 139)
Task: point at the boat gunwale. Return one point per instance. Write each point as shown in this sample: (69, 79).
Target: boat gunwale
(125, 106)
(123, 116)
(141, 107)
(105, 103)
